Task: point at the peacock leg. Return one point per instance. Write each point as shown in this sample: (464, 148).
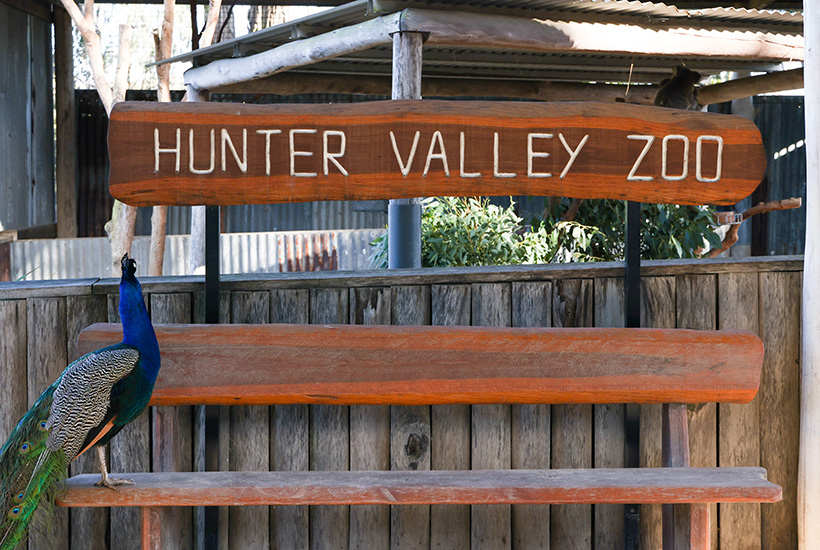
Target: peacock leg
(105, 479)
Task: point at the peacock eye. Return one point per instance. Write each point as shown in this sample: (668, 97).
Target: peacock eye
(14, 512)
(42, 426)
(24, 448)
(18, 498)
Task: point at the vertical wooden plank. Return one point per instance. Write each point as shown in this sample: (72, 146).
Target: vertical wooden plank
(47, 357)
(739, 425)
(450, 428)
(530, 428)
(250, 437)
(370, 430)
(130, 451)
(13, 357)
(610, 437)
(172, 430)
(697, 309)
(571, 529)
(329, 433)
(290, 450)
(657, 311)
(66, 123)
(780, 399)
(410, 430)
(88, 525)
(491, 425)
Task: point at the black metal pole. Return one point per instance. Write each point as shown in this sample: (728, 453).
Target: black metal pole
(632, 420)
(212, 264)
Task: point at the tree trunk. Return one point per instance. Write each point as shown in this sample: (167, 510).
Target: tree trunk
(159, 216)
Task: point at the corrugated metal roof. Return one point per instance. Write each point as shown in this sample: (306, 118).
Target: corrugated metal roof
(520, 64)
(643, 14)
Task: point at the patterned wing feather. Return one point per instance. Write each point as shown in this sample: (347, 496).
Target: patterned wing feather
(82, 397)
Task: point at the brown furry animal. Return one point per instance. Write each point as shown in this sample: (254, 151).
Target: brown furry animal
(679, 92)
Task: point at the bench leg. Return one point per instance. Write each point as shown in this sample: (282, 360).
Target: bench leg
(700, 535)
(151, 527)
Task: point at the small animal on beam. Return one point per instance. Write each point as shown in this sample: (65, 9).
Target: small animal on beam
(91, 401)
(679, 92)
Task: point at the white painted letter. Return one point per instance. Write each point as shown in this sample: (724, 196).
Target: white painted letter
(649, 141)
(294, 153)
(157, 150)
(191, 153)
(461, 171)
(664, 158)
(441, 156)
(496, 173)
(327, 156)
(572, 154)
(268, 134)
(699, 165)
(536, 154)
(405, 169)
(243, 163)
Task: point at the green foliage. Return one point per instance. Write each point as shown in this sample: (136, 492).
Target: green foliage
(471, 231)
(667, 230)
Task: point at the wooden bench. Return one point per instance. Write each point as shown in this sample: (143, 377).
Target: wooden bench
(412, 365)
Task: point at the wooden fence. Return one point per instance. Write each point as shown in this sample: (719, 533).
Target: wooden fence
(39, 323)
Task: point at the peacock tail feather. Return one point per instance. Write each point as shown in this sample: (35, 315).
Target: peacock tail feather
(30, 474)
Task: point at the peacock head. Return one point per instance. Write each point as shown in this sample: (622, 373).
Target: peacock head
(129, 266)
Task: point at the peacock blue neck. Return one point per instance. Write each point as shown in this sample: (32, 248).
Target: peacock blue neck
(136, 325)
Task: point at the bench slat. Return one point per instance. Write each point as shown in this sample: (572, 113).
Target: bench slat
(616, 485)
(417, 365)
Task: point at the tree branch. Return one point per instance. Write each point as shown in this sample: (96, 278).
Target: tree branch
(760, 208)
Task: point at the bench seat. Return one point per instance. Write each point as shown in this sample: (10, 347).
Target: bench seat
(564, 486)
(423, 365)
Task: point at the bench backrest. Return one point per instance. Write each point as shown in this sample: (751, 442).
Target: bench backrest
(356, 364)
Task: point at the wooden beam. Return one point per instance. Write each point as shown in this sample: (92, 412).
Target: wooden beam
(293, 83)
(179, 154)
(32, 7)
(66, 172)
(751, 86)
(808, 480)
(617, 485)
(363, 36)
(415, 365)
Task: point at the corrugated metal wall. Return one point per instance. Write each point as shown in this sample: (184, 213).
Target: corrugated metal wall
(782, 122)
(268, 252)
(27, 192)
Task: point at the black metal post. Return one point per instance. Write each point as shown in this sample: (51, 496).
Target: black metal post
(632, 421)
(212, 264)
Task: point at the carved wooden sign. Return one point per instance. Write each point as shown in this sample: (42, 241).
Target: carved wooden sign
(224, 153)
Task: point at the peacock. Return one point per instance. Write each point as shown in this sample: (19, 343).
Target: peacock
(85, 407)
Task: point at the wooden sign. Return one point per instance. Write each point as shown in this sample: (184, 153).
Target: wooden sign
(225, 153)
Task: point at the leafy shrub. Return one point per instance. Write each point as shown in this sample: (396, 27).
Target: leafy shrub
(667, 230)
(471, 231)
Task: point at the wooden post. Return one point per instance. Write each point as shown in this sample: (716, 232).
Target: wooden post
(808, 498)
(404, 215)
(66, 126)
